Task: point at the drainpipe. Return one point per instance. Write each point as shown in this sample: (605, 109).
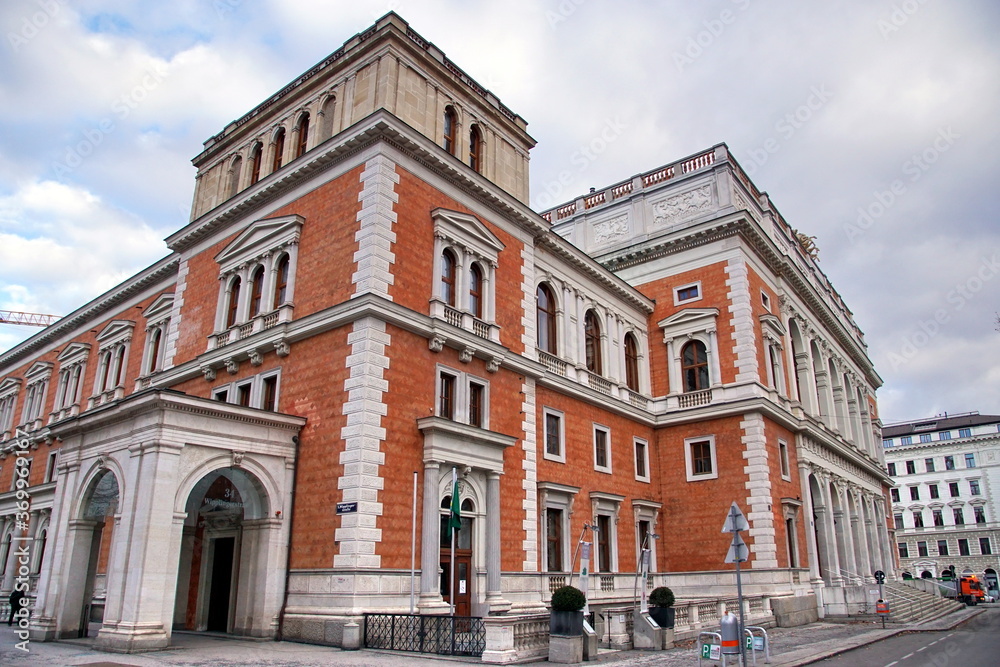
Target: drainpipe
(288, 551)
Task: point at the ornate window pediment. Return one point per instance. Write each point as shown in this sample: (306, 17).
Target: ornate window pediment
(115, 332)
(258, 240)
(467, 231)
(689, 321)
(74, 353)
(160, 309)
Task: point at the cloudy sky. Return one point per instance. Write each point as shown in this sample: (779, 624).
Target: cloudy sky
(872, 124)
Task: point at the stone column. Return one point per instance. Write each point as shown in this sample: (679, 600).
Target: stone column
(431, 601)
(494, 595)
(714, 365)
(673, 368)
(834, 577)
(865, 568)
(812, 548)
(845, 545)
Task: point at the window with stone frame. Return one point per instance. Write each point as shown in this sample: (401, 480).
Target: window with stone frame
(641, 448)
(700, 459)
(256, 156)
(257, 279)
(692, 353)
(157, 316)
(545, 316)
(36, 388)
(476, 148)
(631, 362)
(462, 397)
(985, 547)
(277, 149)
(980, 513)
(592, 342)
(556, 501)
(904, 550)
(602, 448)
(302, 135)
(465, 273)
(963, 546)
(9, 389)
(69, 391)
(113, 350)
(450, 130)
(553, 423)
(605, 509)
(257, 391)
(942, 546)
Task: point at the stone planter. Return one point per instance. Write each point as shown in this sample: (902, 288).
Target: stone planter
(565, 650)
(566, 624)
(664, 616)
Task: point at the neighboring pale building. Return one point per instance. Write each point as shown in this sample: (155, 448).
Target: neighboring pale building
(946, 498)
(363, 302)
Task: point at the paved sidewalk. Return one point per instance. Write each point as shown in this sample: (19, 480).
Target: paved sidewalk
(789, 646)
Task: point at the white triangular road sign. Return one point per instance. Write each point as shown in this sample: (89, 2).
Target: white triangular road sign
(735, 521)
(737, 550)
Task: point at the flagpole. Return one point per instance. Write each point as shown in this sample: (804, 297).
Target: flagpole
(451, 529)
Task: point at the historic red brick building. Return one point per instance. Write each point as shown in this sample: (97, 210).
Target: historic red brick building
(363, 303)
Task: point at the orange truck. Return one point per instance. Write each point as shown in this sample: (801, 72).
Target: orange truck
(967, 588)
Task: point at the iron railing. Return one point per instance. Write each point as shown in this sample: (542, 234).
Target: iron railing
(441, 635)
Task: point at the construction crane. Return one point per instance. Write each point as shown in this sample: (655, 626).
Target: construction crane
(27, 319)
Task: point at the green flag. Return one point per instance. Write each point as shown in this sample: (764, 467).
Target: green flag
(455, 518)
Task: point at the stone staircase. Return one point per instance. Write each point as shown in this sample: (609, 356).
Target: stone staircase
(912, 606)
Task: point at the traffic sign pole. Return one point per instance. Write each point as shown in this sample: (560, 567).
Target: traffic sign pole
(736, 522)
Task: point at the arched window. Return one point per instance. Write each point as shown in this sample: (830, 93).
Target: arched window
(475, 148)
(631, 363)
(592, 341)
(234, 302)
(281, 282)
(694, 366)
(448, 277)
(450, 126)
(279, 150)
(329, 106)
(255, 158)
(256, 291)
(119, 366)
(476, 291)
(303, 126)
(546, 319)
(234, 175)
(106, 370)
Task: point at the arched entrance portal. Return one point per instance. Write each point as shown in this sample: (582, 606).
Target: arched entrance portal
(94, 533)
(463, 558)
(223, 554)
(991, 582)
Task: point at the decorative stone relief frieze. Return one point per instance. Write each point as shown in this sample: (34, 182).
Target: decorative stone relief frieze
(609, 230)
(684, 205)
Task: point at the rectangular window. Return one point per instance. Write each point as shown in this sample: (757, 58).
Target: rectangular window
(963, 547)
(897, 520)
(974, 487)
(892, 469)
(959, 517)
(554, 435)
(934, 491)
(953, 489)
(553, 539)
(446, 396)
(783, 459)
(911, 468)
(904, 551)
(922, 549)
(925, 437)
(938, 517)
(887, 442)
(970, 460)
(929, 465)
(700, 458)
(965, 432)
(602, 455)
(603, 563)
(985, 548)
(477, 393)
(918, 519)
(894, 493)
(944, 435)
(641, 460)
(949, 463)
(942, 547)
(243, 392)
(980, 514)
(221, 395)
(686, 293)
(50, 470)
(269, 398)
(914, 493)
(906, 440)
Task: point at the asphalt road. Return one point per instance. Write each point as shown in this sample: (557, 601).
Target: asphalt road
(975, 643)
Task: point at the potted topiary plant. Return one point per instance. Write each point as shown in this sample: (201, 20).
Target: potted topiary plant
(661, 606)
(567, 614)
